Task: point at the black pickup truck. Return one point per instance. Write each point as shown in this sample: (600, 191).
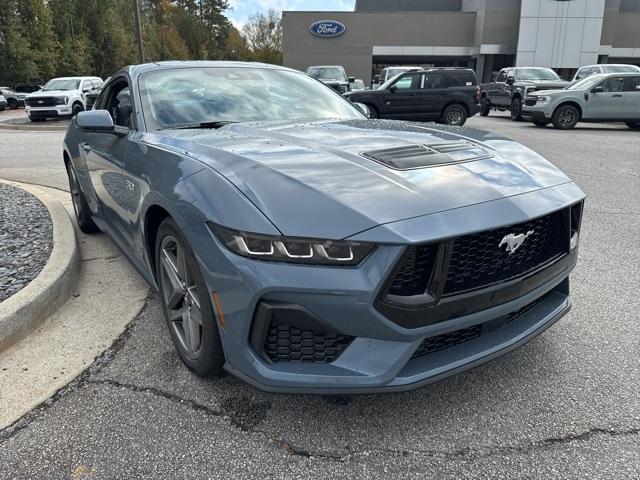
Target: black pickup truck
(513, 84)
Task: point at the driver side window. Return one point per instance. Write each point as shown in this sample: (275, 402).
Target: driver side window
(502, 77)
(613, 84)
(407, 82)
(119, 105)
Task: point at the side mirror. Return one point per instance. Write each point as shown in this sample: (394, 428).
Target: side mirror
(598, 89)
(393, 88)
(510, 80)
(351, 79)
(99, 120)
(363, 108)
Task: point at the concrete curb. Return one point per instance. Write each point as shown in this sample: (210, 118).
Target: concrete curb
(25, 310)
(37, 127)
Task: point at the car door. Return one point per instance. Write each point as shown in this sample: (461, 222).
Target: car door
(608, 103)
(400, 98)
(631, 109)
(501, 94)
(431, 94)
(117, 193)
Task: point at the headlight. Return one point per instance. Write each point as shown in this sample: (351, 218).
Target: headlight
(292, 249)
(542, 100)
(62, 100)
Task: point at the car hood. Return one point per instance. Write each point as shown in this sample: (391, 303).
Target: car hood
(546, 84)
(332, 179)
(51, 93)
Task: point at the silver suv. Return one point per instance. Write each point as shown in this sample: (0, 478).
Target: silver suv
(613, 97)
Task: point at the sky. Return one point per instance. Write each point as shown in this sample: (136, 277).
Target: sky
(241, 9)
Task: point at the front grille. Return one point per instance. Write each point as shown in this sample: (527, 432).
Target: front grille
(286, 343)
(530, 101)
(478, 260)
(41, 102)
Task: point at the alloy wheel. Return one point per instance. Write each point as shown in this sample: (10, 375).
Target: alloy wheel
(567, 117)
(180, 296)
(75, 191)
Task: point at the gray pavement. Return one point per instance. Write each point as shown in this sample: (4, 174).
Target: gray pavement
(566, 405)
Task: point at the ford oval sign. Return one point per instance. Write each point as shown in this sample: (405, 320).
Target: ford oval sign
(327, 28)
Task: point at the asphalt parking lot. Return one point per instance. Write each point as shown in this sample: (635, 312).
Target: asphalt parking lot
(566, 405)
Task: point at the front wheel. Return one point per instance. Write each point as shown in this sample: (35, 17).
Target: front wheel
(373, 111)
(454, 115)
(565, 117)
(185, 300)
(77, 108)
(633, 125)
(516, 109)
(80, 206)
(485, 107)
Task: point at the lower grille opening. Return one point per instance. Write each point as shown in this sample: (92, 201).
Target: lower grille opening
(451, 339)
(291, 344)
(286, 332)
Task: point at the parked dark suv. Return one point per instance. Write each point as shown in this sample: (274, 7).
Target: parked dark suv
(446, 95)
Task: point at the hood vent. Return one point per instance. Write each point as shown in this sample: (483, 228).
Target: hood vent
(421, 156)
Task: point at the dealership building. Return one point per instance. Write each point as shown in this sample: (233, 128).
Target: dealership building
(485, 35)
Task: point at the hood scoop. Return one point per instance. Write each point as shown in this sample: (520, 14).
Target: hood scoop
(421, 156)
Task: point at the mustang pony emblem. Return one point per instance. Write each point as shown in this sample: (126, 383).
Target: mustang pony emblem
(514, 242)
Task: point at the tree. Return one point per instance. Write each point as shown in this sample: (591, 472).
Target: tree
(236, 47)
(263, 34)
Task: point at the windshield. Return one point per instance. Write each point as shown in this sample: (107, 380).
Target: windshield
(537, 74)
(190, 96)
(620, 68)
(61, 84)
(586, 83)
(392, 72)
(327, 73)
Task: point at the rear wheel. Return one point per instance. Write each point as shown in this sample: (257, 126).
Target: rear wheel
(565, 117)
(80, 206)
(633, 125)
(185, 299)
(455, 115)
(485, 106)
(516, 109)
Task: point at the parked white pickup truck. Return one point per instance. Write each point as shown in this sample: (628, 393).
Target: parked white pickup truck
(61, 97)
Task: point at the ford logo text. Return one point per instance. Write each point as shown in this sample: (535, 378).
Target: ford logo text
(327, 28)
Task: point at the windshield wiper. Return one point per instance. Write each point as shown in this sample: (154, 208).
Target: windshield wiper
(212, 124)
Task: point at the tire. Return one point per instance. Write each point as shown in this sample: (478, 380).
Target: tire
(80, 206)
(455, 115)
(185, 301)
(565, 117)
(541, 124)
(374, 111)
(516, 109)
(77, 108)
(633, 125)
(485, 106)
(37, 119)
(12, 104)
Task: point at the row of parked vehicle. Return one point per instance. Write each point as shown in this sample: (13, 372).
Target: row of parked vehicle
(61, 97)
(450, 95)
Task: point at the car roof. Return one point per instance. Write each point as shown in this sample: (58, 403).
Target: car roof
(136, 70)
(610, 65)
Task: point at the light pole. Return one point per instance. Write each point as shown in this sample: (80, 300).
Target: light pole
(136, 7)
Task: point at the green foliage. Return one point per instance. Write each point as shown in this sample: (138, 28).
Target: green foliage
(41, 39)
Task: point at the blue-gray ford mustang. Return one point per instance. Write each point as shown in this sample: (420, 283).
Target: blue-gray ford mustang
(306, 248)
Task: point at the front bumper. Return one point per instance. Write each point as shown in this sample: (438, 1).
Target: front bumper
(382, 355)
(49, 112)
